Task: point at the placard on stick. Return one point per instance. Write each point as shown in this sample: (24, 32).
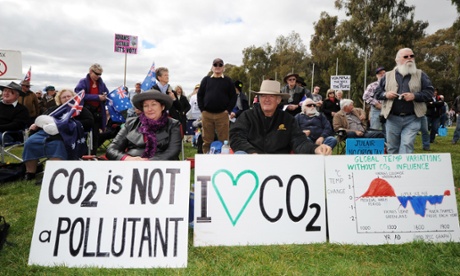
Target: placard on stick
(115, 214)
(259, 199)
(391, 199)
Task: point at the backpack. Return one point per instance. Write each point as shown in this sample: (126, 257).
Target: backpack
(12, 172)
(215, 147)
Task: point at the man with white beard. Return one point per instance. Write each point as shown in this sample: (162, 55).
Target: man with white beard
(404, 91)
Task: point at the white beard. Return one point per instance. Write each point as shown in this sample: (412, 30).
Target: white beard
(407, 68)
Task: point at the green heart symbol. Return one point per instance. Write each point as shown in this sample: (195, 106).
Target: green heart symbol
(235, 182)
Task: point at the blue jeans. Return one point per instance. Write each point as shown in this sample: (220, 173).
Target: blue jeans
(331, 141)
(425, 133)
(374, 115)
(401, 133)
(457, 130)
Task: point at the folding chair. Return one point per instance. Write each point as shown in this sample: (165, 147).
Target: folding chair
(7, 147)
(341, 136)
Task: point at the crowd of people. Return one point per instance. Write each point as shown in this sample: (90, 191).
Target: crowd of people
(284, 118)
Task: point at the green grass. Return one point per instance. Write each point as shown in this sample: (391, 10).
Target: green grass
(18, 203)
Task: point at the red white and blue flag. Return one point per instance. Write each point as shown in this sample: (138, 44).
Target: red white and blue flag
(117, 101)
(150, 80)
(28, 76)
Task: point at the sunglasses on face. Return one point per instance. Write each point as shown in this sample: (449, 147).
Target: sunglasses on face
(293, 79)
(218, 64)
(97, 74)
(310, 105)
(408, 56)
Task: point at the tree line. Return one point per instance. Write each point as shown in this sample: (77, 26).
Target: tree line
(369, 37)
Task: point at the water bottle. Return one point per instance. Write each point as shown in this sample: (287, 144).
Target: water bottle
(225, 148)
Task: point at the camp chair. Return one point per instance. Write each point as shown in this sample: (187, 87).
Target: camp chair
(341, 136)
(7, 147)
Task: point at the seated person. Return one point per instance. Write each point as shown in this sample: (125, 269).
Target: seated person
(315, 125)
(47, 142)
(13, 115)
(150, 136)
(111, 130)
(267, 129)
(353, 121)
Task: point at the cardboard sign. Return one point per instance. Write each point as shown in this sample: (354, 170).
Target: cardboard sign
(391, 199)
(366, 146)
(341, 82)
(259, 199)
(125, 44)
(10, 65)
(112, 214)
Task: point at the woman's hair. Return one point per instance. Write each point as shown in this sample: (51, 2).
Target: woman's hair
(181, 90)
(330, 91)
(57, 97)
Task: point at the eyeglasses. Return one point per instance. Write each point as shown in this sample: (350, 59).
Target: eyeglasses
(218, 64)
(292, 79)
(409, 56)
(97, 74)
(310, 105)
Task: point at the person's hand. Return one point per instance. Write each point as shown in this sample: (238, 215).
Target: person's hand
(103, 97)
(292, 107)
(359, 133)
(232, 115)
(136, 158)
(319, 103)
(319, 141)
(362, 117)
(408, 96)
(391, 95)
(378, 105)
(323, 150)
(307, 132)
(33, 127)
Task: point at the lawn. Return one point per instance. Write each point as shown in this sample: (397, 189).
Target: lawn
(18, 203)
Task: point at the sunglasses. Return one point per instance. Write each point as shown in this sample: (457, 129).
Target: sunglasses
(310, 105)
(292, 79)
(409, 56)
(97, 74)
(218, 64)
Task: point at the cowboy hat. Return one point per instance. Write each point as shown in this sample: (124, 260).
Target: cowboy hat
(152, 94)
(290, 75)
(13, 86)
(26, 83)
(271, 87)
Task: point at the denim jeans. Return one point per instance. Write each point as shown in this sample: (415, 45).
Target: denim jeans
(374, 115)
(457, 129)
(425, 133)
(331, 141)
(401, 132)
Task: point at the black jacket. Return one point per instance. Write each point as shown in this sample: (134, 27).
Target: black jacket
(283, 134)
(129, 141)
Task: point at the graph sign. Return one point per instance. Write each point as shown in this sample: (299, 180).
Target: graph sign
(380, 199)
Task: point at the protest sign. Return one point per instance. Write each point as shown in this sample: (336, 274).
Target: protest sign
(259, 199)
(125, 44)
(341, 82)
(367, 146)
(391, 199)
(10, 65)
(116, 214)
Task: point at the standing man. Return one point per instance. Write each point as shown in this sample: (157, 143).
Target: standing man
(216, 99)
(456, 109)
(267, 129)
(28, 99)
(162, 85)
(376, 105)
(94, 100)
(296, 94)
(404, 91)
(133, 111)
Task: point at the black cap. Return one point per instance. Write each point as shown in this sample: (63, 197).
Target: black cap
(239, 85)
(381, 68)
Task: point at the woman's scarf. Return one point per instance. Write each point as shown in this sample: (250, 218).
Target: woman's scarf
(149, 128)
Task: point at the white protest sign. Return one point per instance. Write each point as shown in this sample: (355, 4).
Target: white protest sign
(112, 214)
(259, 199)
(341, 82)
(391, 199)
(10, 65)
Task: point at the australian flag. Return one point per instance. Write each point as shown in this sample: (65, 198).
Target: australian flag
(150, 79)
(118, 101)
(71, 130)
(28, 76)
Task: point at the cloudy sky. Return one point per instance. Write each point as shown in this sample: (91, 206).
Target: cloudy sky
(60, 39)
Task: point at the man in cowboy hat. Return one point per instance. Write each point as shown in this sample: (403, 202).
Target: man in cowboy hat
(28, 99)
(13, 115)
(296, 94)
(267, 129)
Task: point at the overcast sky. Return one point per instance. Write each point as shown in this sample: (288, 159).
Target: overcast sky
(60, 39)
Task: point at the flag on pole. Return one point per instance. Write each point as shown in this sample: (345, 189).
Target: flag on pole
(150, 79)
(71, 130)
(28, 76)
(118, 101)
